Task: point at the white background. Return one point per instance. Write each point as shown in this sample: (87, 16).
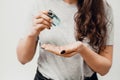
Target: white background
(13, 15)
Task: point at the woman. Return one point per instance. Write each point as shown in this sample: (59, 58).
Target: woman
(78, 48)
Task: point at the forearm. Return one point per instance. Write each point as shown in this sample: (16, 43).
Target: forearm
(26, 49)
(96, 62)
(27, 46)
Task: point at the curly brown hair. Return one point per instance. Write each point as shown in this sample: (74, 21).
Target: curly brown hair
(91, 22)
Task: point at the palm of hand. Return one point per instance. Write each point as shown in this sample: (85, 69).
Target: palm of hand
(65, 51)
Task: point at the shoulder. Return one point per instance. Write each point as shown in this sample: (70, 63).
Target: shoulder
(108, 10)
(110, 22)
(108, 14)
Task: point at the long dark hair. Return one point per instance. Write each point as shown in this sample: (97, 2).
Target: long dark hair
(91, 22)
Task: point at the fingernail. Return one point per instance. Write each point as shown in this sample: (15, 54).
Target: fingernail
(63, 51)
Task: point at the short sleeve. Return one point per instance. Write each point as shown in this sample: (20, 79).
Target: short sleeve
(110, 26)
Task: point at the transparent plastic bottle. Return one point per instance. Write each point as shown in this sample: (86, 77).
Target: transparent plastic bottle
(52, 15)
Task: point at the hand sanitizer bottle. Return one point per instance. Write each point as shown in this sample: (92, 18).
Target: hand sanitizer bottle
(52, 15)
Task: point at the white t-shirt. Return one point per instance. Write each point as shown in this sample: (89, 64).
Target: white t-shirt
(57, 67)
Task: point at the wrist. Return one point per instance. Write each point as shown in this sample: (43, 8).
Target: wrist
(81, 47)
(33, 36)
(34, 33)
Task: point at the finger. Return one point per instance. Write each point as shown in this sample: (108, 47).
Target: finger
(43, 15)
(41, 12)
(56, 50)
(69, 55)
(51, 48)
(40, 27)
(46, 45)
(70, 48)
(67, 49)
(43, 46)
(45, 12)
(42, 21)
(63, 52)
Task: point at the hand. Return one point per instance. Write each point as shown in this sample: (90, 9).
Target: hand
(65, 51)
(40, 22)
